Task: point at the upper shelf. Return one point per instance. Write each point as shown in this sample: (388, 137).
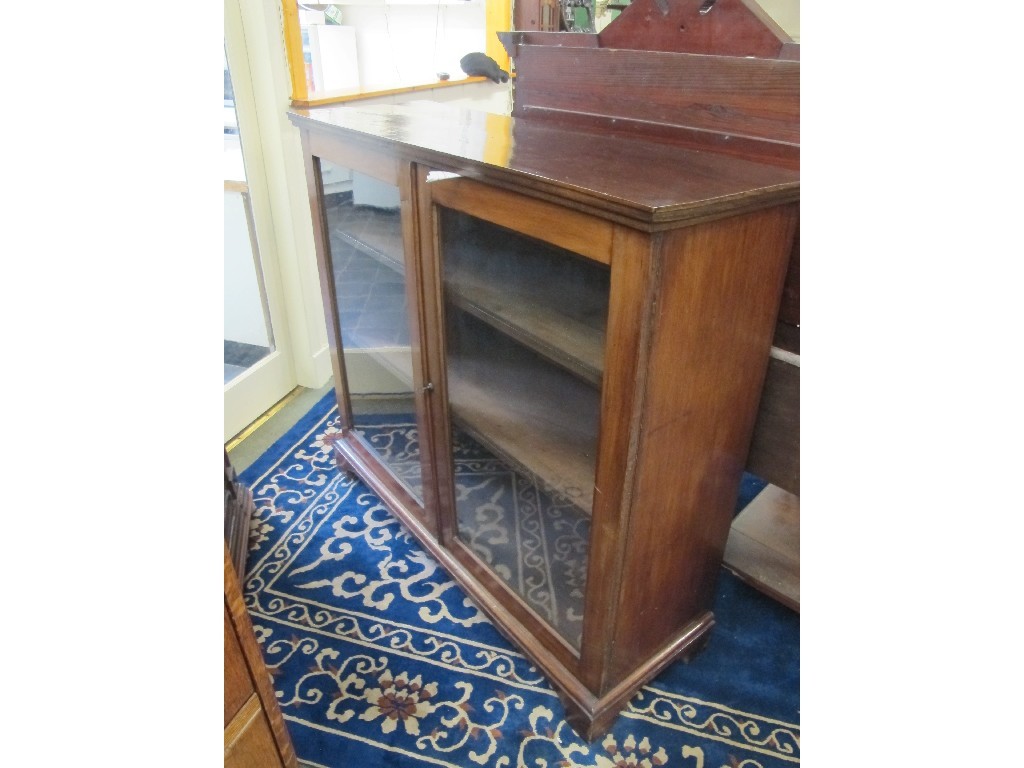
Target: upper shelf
(375, 242)
(522, 416)
(513, 309)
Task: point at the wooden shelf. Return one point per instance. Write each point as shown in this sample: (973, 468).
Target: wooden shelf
(374, 251)
(370, 231)
(547, 298)
(513, 309)
(764, 545)
(514, 404)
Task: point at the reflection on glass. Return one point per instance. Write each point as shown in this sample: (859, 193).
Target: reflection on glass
(329, 51)
(374, 46)
(524, 329)
(248, 336)
(365, 240)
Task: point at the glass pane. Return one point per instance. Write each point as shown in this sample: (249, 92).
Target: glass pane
(365, 241)
(248, 337)
(376, 46)
(525, 328)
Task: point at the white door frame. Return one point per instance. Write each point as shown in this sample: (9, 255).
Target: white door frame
(281, 217)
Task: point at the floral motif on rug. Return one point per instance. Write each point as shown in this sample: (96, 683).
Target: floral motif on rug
(379, 658)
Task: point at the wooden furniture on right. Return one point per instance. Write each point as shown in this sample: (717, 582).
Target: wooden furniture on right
(255, 735)
(733, 97)
(764, 543)
(238, 511)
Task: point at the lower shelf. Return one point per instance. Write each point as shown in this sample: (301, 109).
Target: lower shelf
(764, 545)
(527, 411)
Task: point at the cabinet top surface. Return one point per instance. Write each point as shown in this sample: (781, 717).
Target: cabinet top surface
(638, 179)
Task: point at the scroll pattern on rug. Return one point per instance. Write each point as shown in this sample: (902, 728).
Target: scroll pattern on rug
(379, 658)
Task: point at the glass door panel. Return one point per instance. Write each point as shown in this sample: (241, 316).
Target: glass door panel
(366, 255)
(524, 342)
(258, 351)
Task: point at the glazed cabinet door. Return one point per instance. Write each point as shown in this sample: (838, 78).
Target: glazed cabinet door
(370, 284)
(522, 297)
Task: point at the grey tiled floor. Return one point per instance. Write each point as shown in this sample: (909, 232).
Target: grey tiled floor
(372, 308)
(370, 288)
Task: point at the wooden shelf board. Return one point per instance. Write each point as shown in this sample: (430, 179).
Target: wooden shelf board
(372, 247)
(514, 310)
(764, 545)
(541, 437)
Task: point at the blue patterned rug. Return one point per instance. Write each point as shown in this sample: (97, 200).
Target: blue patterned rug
(379, 659)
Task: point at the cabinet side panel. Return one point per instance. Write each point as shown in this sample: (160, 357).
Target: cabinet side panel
(238, 686)
(278, 747)
(721, 284)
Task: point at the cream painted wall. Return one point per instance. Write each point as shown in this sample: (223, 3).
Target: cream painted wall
(786, 14)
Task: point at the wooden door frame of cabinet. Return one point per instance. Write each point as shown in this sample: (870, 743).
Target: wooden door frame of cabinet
(436, 530)
(555, 655)
(351, 452)
(634, 274)
(328, 294)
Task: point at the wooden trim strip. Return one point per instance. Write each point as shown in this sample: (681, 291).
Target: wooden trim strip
(242, 624)
(240, 722)
(690, 641)
(328, 98)
(564, 227)
(293, 49)
(784, 356)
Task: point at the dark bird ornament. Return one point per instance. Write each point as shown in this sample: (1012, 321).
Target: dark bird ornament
(478, 64)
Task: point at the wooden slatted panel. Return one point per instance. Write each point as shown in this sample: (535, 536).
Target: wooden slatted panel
(747, 97)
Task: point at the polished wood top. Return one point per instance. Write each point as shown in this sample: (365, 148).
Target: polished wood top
(639, 181)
